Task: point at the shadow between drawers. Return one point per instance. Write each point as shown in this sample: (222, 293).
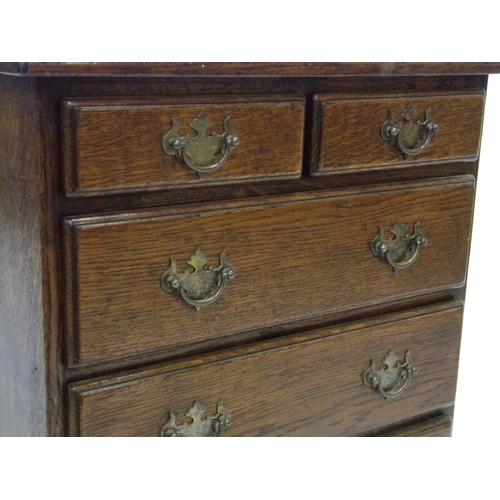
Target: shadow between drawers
(330, 361)
(441, 300)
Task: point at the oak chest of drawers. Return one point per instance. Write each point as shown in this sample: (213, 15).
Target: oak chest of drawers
(235, 249)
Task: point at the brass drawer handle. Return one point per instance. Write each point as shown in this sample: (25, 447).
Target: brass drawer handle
(411, 138)
(200, 425)
(400, 252)
(393, 378)
(199, 152)
(201, 287)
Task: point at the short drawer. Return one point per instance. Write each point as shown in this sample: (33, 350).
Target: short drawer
(129, 145)
(353, 133)
(291, 257)
(312, 384)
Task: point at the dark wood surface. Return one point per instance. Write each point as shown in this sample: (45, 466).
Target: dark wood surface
(293, 259)
(34, 338)
(23, 402)
(245, 69)
(348, 130)
(306, 388)
(116, 145)
(440, 426)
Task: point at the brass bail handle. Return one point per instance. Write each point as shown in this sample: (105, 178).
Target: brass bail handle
(401, 251)
(201, 425)
(201, 287)
(202, 153)
(393, 377)
(411, 138)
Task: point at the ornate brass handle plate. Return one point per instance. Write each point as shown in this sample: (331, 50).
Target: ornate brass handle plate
(201, 287)
(199, 152)
(400, 252)
(393, 377)
(410, 138)
(201, 425)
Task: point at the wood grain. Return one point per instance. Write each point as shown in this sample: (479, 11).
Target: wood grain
(347, 130)
(116, 146)
(285, 69)
(43, 229)
(440, 426)
(313, 388)
(23, 398)
(293, 258)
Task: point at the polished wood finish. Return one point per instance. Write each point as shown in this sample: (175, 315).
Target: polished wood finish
(300, 69)
(116, 145)
(114, 277)
(440, 426)
(306, 388)
(23, 402)
(81, 307)
(347, 133)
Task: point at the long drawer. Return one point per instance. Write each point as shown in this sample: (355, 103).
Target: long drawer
(315, 384)
(291, 257)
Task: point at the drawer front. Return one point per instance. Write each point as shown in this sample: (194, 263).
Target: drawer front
(293, 257)
(304, 387)
(120, 146)
(348, 131)
(440, 426)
